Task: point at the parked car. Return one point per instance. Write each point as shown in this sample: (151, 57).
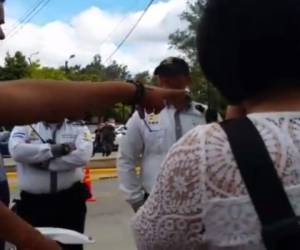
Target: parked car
(120, 131)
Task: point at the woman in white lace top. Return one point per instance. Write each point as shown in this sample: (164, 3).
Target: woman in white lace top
(250, 50)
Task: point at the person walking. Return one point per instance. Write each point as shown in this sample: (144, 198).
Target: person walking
(107, 138)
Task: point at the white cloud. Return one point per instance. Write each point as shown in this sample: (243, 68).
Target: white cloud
(90, 33)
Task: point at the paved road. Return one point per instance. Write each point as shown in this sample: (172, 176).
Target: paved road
(108, 218)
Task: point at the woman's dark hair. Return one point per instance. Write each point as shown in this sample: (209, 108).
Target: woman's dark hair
(246, 47)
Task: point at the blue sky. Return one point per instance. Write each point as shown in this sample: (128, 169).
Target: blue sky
(90, 27)
(64, 10)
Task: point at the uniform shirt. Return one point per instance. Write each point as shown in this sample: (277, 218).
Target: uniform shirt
(147, 142)
(35, 160)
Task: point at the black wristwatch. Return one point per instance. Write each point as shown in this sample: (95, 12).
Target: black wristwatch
(139, 94)
(66, 149)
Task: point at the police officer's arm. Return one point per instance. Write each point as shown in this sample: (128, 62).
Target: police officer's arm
(29, 101)
(80, 156)
(4, 136)
(15, 230)
(24, 152)
(130, 150)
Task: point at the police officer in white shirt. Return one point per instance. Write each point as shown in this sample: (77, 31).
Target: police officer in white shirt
(148, 140)
(50, 159)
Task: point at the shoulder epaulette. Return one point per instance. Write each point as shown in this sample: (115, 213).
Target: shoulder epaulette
(77, 123)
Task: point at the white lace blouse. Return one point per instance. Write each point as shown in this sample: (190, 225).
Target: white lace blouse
(200, 202)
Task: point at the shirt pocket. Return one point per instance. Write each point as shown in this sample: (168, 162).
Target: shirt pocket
(67, 138)
(154, 141)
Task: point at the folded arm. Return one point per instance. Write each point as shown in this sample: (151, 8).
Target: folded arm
(24, 152)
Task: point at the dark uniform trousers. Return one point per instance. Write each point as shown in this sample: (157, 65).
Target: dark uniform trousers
(64, 209)
(4, 197)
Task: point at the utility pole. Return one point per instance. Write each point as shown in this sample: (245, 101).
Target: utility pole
(31, 55)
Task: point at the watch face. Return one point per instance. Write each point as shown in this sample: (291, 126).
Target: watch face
(66, 148)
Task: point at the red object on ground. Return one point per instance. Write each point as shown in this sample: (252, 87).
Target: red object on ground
(88, 182)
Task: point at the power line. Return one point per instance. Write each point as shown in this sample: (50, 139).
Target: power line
(17, 22)
(25, 16)
(113, 31)
(130, 31)
(33, 13)
(42, 4)
(108, 37)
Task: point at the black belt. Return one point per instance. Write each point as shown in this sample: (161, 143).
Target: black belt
(78, 191)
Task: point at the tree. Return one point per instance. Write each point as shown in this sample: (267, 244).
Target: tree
(76, 73)
(185, 42)
(93, 71)
(143, 77)
(15, 67)
(116, 71)
(38, 72)
(119, 112)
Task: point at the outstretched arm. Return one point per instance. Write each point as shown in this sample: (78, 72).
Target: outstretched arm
(28, 101)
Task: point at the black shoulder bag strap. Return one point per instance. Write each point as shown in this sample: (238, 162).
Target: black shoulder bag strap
(280, 228)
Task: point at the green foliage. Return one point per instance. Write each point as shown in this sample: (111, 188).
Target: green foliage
(15, 67)
(114, 71)
(94, 71)
(37, 72)
(97, 72)
(119, 112)
(143, 77)
(185, 42)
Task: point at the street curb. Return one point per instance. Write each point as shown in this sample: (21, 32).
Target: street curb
(103, 172)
